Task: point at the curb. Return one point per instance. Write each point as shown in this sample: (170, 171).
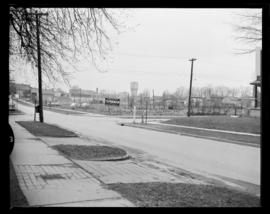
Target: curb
(192, 135)
(120, 158)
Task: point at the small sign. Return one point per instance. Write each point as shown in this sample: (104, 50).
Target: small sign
(37, 109)
(112, 101)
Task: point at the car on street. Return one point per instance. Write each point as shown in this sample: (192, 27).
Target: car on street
(74, 105)
(54, 104)
(85, 105)
(12, 106)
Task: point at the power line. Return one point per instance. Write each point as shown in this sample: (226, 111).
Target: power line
(148, 55)
(190, 86)
(220, 65)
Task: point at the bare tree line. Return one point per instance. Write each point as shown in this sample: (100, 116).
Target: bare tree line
(66, 35)
(181, 94)
(249, 31)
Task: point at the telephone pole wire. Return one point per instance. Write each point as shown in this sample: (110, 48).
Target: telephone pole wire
(190, 86)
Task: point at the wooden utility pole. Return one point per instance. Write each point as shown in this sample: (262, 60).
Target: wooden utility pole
(80, 97)
(40, 103)
(146, 111)
(128, 101)
(153, 99)
(190, 86)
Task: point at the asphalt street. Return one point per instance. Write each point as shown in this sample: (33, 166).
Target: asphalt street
(203, 156)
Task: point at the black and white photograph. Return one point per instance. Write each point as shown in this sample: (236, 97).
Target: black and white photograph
(135, 107)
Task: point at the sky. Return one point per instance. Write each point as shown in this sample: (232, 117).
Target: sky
(156, 52)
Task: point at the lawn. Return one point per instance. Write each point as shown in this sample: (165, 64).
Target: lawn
(91, 152)
(220, 136)
(183, 195)
(240, 124)
(45, 129)
(63, 111)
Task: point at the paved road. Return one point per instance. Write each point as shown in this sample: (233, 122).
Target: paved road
(190, 153)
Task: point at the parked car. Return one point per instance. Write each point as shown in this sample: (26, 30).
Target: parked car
(12, 105)
(54, 104)
(74, 105)
(85, 105)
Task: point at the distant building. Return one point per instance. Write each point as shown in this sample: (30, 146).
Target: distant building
(12, 87)
(197, 101)
(231, 100)
(79, 95)
(48, 95)
(247, 102)
(213, 101)
(23, 90)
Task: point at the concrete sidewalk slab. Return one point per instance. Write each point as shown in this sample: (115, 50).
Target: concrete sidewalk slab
(35, 152)
(75, 191)
(127, 172)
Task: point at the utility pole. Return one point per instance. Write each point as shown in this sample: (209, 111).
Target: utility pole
(80, 97)
(153, 99)
(190, 86)
(146, 111)
(40, 110)
(128, 101)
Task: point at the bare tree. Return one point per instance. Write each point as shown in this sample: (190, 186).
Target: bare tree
(234, 92)
(221, 91)
(245, 91)
(165, 97)
(250, 29)
(66, 34)
(181, 93)
(207, 91)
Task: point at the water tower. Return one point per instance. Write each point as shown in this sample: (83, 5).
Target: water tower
(134, 88)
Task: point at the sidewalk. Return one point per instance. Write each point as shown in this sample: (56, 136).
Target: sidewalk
(49, 179)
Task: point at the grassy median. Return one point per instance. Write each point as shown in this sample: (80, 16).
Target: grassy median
(219, 136)
(238, 124)
(158, 194)
(45, 129)
(91, 152)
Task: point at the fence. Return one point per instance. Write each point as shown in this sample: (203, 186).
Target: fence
(219, 110)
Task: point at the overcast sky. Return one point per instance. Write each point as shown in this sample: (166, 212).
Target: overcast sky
(156, 53)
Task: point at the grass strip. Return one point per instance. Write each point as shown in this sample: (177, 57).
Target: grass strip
(90, 152)
(45, 129)
(220, 136)
(239, 124)
(17, 198)
(63, 111)
(158, 194)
